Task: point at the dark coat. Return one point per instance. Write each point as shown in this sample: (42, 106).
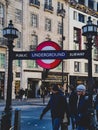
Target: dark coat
(96, 102)
(72, 103)
(82, 116)
(57, 105)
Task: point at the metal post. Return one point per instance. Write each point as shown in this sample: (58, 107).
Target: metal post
(62, 49)
(90, 79)
(10, 33)
(90, 31)
(62, 14)
(17, 120)
(7, 114)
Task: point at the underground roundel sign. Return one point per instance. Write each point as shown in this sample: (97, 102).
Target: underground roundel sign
(48, 63)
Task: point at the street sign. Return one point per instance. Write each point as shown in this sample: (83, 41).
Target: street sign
(76, 54)
(48, 54)
(49, 46)
(51, 54)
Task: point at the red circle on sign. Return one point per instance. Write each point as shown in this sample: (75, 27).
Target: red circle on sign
(48, 63)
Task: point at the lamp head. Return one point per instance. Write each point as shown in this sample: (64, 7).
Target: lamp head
(10, 32)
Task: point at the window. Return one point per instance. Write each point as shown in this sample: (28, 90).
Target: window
(96, 41)
(34, 20)
(60, 42)
(18, 16)
(48, 24)
(96, 51)
(18, 63)
(95, 56)
(59, 67)
(17, 74)
(96, 68)
(48, 5)
(86, 67)
(18, 44)
(2, 60)
(81, 2)
(35, 2)
(77, 37)
(32, 64)
(59, 28)
(81, 18)
(1, 14)
(97, 7)
(48, 2)
(75, 15)
(1, 10)
(77, 66)
(91, 4)
(34, 42)
(59, 7)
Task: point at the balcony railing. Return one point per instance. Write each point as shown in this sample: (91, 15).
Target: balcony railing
(35, 3)
(48, 8)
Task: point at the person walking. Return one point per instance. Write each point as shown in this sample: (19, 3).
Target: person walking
(82, 115)
(96, 106)
(57, 105)
(66, 120)
(72, 105)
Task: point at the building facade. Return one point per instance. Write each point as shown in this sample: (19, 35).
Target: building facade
(38, 21)
(79, 12)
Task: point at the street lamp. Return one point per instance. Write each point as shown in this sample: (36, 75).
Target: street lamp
(90, 31)
(10, 33)
(61, 12)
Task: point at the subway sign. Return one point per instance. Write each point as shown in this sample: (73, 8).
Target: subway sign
(51, 54)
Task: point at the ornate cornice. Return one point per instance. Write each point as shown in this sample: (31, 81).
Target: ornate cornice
(83, 8)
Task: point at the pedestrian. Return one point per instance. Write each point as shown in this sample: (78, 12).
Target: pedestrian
(82, 115)
(66, 120)
(72, 105)
(21, 93)
(96, 106)
(57, 106)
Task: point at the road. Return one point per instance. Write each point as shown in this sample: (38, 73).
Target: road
(30, 119)
(30, 111)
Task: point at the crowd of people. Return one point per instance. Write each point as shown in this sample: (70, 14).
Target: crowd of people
(75, 111)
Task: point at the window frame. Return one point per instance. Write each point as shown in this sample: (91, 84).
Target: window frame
(48, 24)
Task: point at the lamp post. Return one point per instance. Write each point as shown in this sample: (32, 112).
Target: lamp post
(90, 31)
(61, 12)
(10, 33)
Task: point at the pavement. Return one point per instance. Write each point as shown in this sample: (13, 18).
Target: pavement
(33, 101)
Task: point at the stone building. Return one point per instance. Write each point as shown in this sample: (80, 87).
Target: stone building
(38, 21)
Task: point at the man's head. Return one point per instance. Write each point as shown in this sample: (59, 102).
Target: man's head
(81, 89)
(55, 88)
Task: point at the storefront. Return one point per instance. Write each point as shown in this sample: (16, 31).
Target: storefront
(76, 80)
(33, 86)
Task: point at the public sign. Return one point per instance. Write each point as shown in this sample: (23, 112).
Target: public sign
(49, 46)
(76, 54)
(48, 54)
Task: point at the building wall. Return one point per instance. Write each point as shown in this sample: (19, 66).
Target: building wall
(20, 12)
